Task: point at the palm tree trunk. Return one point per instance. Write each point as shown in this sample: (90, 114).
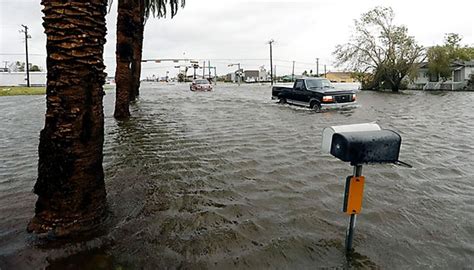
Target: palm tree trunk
(126, 28)
(70, 185)
(139, 18)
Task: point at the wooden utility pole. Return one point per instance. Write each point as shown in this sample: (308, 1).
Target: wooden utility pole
(203, 69)
(275, 69)
(293, 72)
(317, 67)
(209, 67)
(215, 75)
(27, 65)
(271, 61)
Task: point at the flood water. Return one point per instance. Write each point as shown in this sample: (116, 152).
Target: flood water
(230, 179)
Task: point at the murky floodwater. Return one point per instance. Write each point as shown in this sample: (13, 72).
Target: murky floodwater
(229, 179)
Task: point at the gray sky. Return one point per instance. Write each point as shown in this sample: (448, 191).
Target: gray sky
(226, 31)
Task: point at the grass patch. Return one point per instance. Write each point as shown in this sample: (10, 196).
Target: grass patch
(21, 90)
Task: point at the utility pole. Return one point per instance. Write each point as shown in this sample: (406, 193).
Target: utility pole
(209, 67)
(6, 66)
(271, 61)
(275, 69)
(324, 71)
(293, 72)
(25, 30)
(215, 75)
(317, 67)
(203, 69)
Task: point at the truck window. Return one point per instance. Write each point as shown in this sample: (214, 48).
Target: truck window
(299, 85)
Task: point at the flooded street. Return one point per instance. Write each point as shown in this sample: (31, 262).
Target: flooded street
(230, 179)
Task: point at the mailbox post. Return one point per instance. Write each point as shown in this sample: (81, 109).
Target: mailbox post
(359, 144)
(350, 229)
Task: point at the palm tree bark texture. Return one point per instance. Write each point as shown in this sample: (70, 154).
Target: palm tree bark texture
(137, 51)
(128, 22)
(70, 185)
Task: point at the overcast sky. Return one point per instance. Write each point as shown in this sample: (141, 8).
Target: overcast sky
(225, 31)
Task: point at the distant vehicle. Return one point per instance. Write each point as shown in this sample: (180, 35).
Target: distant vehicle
(200, 85)
(315, 93)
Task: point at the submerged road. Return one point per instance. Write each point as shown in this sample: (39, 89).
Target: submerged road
(230, 179)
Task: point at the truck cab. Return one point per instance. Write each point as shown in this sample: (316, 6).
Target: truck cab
(316, 93)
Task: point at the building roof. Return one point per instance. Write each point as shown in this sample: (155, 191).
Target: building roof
(457, 63)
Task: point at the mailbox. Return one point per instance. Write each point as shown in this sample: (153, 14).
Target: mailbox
(360, 144)
(329, 132)
(359, 147)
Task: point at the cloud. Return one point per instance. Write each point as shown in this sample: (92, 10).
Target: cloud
(218, 30)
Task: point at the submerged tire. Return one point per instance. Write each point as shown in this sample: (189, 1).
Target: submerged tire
(315, 106)
(282, 101)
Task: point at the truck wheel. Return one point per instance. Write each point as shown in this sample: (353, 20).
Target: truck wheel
(282, 101)
(316, 106)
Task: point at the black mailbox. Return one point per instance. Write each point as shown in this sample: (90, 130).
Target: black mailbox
(359, 147)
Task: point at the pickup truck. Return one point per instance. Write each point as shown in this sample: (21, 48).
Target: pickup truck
(315, 93)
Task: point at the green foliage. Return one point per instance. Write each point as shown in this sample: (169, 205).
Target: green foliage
(21, 90)
(470, 82)
(380, 48)
(35, 68)
(20, 67)
(181, 77)
(441, 57)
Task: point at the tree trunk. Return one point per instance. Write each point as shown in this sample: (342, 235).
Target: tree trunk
(70, 185)
(126, 28)
(396, 84)
(137, 50)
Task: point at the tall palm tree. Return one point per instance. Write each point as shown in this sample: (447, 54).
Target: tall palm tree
(70, 185)
(132, 15)
(128, 23)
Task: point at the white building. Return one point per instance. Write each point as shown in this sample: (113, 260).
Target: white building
(460, 74)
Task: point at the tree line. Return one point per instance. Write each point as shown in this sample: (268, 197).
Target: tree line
(382, 54)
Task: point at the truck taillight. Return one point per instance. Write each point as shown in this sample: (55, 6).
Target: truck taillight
(328, 98)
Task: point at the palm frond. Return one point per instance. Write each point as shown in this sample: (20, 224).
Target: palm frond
(157, 8)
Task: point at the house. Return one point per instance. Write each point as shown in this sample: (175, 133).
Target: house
(340, 77)
(460, 74)
(230, 77)
(251, 75)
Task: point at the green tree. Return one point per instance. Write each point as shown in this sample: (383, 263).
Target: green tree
(70, 185)
(381, 48)
(35, 68)
(441, 57)
(20, 67)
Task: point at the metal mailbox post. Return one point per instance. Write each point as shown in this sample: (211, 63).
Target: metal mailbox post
(359, 144)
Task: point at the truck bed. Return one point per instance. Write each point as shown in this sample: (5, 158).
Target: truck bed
(277, 89)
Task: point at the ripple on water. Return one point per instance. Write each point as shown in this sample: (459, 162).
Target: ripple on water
(229, 179)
